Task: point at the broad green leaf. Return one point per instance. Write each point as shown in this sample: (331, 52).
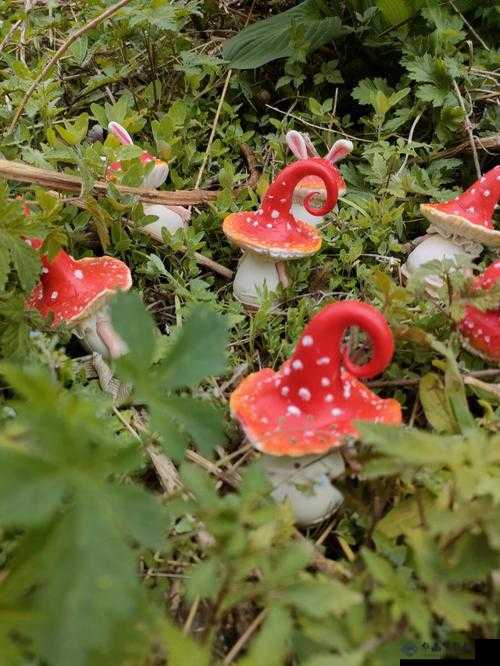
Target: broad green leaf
(396, 11)
(271, 38)
(198, 349)
(435, 404)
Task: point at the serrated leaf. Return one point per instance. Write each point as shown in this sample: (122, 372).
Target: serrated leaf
(198, 349)
(135, 326)
(183, 650)
(273, 642)
(89, 585)
(201, 420)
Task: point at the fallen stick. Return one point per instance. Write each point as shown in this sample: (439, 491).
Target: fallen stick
(482, 143)
(63, 182)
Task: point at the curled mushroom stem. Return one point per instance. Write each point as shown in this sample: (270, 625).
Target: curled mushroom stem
(282, 274)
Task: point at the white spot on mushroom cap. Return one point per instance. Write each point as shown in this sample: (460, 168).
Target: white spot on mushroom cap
(54, 295)
(293, 410)
(325, 381)
(45, 270)
(304, 393)
(297, 364)
(486, 193)
(307, 341)
(328, 397)
(336, 411)
(285, 391)
(275, 214)
(323, 360)
(78, 274)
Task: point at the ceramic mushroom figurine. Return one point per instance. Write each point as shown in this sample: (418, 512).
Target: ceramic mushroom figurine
(300, 414)
(480, 330)
(302, 147)
(76, 293)
(272, 234)
(459, 227)
(170, 218)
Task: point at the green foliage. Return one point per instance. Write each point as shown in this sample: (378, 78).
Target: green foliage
(140, 529)
(273, 38)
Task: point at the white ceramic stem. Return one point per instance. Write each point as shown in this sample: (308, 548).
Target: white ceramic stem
(170, 218)
(98, 335)
(253, 273)
(305, 483)
(434, 247)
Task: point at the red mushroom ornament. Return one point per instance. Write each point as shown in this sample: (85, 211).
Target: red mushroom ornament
(459, 227)
(309, 406)
(76, 292)
(471, 214)
(170, 218)
(303, 148)
(480, 330)
(273, 233)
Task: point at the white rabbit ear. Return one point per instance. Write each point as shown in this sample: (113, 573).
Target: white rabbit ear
(121, 133)
(339, 150)
(297, 144)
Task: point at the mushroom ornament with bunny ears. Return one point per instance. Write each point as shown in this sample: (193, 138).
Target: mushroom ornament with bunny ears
(303, 412)
(272, 234)
(459, 227)
(302, 147)
(170, 218)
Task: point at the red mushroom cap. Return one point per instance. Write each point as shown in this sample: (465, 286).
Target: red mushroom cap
(481, 329)
(470, 214)
(310, 404)
(71, 289)
(272, 229)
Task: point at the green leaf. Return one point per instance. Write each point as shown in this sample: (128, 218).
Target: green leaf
(457, 607)
(135, 326)
(197, 350)
(201, 420)
(273, 642)
(435, 404)
(396, 11)
(272, 38)
(183, 650)
(31, 490)
(90, 587)
(204, 580)
(320, 597)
